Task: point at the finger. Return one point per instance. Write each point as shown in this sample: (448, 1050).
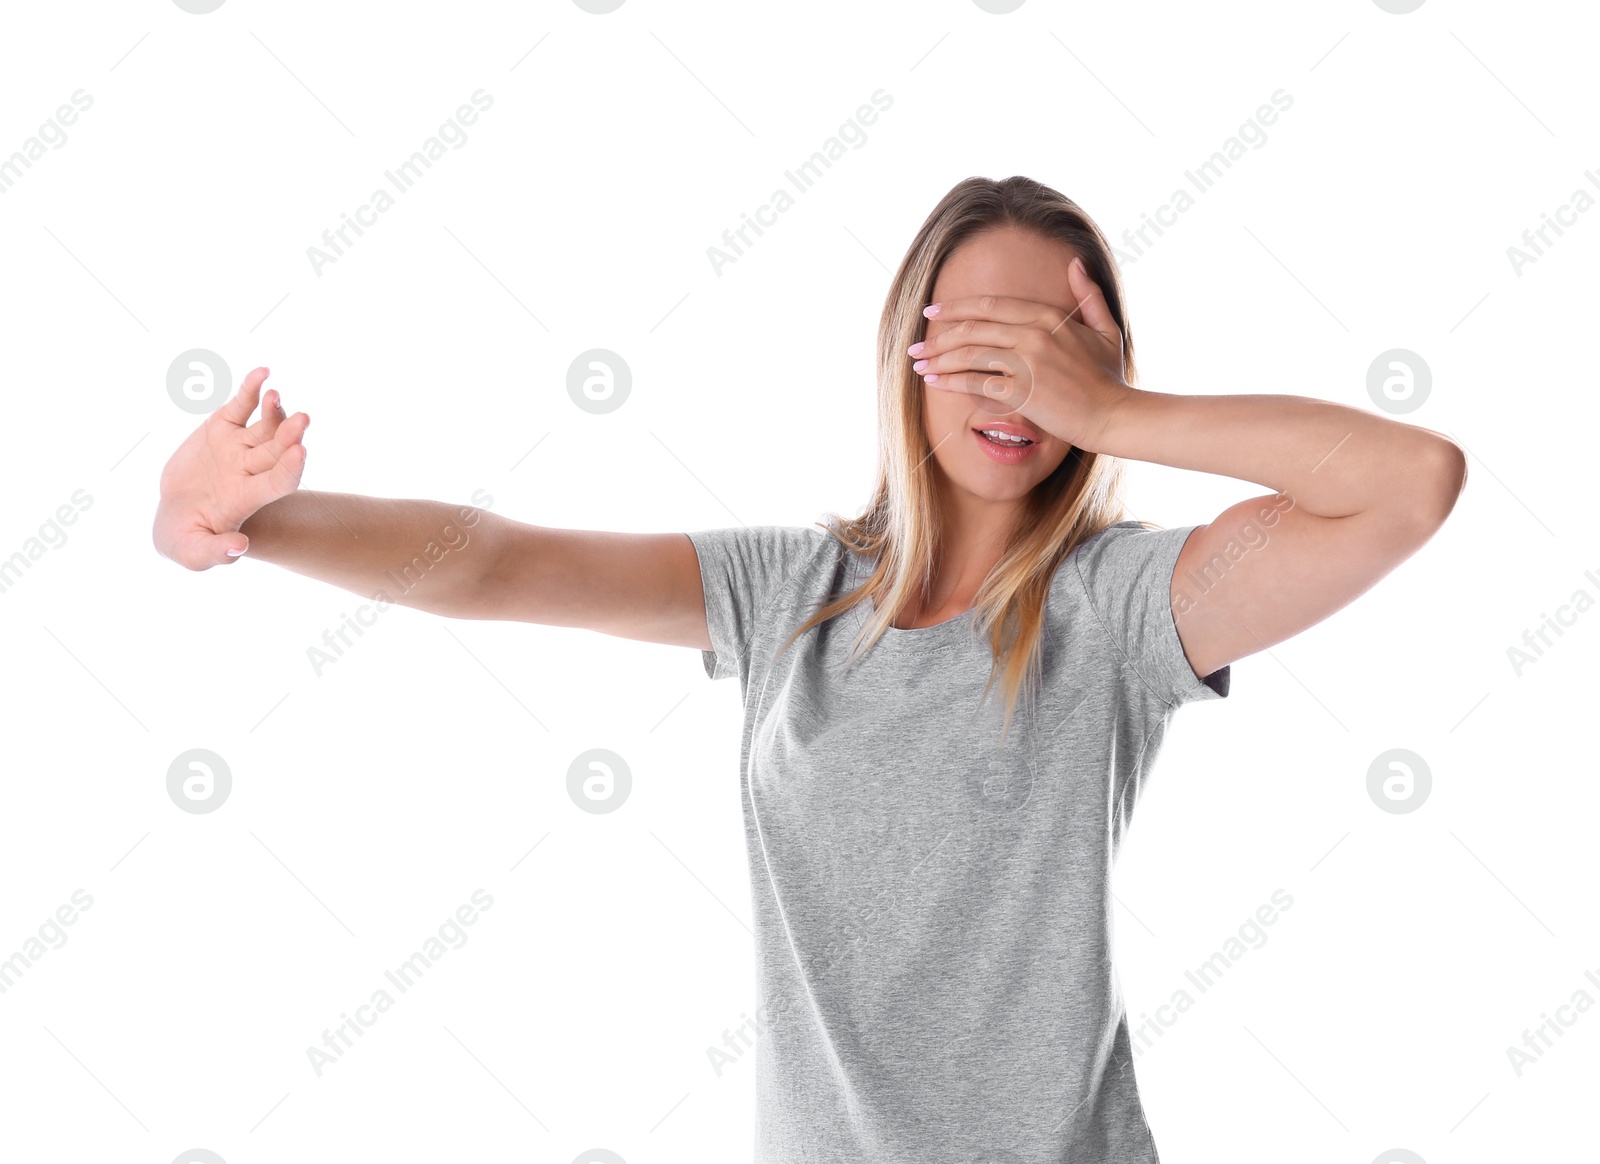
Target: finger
(996, 394)
(272, 415)
(265, 457)
(998, 308)
(237, 411)
(282, 479)
(972, 357)
(968, 332)
(1093, 309)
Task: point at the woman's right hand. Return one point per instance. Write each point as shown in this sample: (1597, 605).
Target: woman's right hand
(226, 470)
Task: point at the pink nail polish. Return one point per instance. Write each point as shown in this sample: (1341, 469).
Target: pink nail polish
(931, 310)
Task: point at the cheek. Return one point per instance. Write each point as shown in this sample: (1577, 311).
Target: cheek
(1056, 454)
(944, 411)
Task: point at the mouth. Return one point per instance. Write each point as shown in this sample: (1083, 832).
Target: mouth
(1006, 443)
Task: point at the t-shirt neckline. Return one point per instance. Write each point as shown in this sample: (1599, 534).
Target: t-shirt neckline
(953, 632)
(940, 636)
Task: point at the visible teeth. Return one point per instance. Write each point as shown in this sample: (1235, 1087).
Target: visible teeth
(995, 435)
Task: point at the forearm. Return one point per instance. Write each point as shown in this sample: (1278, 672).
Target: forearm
(427, 555)
(1331, 460)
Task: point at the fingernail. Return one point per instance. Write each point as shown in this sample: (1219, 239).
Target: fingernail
(931, 377)
(931, 310)
(236, 553)
(914, 350)
(919, 365)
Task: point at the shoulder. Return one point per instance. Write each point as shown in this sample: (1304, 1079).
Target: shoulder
(752, 573)
(765, 560)
(1117, 576)
(1121, 580)
(1125, 555)
(771, 547)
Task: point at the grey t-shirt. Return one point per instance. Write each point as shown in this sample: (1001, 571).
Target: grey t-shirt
(932, 912)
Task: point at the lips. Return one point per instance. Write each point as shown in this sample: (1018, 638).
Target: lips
(1007, 452)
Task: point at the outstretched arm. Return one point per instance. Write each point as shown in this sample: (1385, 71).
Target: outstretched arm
(232, 489)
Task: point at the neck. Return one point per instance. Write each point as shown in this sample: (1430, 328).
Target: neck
(974, 531)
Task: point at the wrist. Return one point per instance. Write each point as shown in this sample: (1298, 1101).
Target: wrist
(1112, 420)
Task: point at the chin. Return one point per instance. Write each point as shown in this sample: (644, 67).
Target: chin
(1007, 490)
(984, 482)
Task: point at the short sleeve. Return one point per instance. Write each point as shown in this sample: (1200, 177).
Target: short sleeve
(1127, 571)
(744, 570)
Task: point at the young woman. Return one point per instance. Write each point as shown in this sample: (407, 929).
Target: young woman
(951, 701)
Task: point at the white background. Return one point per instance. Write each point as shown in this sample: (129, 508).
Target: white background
(369, 803)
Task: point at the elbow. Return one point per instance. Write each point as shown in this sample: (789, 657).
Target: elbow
(1440, 476)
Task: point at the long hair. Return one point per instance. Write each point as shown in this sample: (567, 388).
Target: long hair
(900, 527)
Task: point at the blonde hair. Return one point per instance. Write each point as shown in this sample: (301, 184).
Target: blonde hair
(900, 526)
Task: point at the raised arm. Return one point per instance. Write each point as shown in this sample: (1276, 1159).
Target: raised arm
(1356, 493)
(232, 489)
